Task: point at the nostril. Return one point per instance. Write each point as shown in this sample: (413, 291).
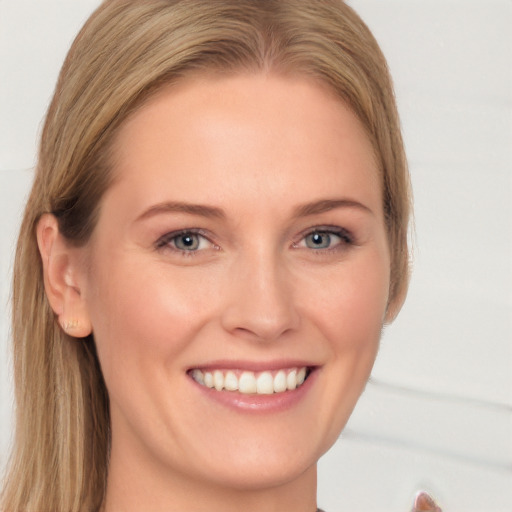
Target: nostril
(259, 303)
(258, 323)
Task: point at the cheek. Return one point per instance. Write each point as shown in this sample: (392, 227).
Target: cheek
(349, 309)
(142, 312)
(351, 305)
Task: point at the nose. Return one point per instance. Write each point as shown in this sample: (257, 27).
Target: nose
(260, 299)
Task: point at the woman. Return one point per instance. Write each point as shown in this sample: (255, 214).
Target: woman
(219, 228)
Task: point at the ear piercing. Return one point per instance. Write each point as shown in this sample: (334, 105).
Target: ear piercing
(70, 326)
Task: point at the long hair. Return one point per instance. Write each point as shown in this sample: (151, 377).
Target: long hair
(125, 52)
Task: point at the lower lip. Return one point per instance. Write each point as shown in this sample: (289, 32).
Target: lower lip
(253, 403)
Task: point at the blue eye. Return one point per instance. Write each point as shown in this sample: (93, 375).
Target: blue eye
(318, 240)
(187, 241)
(324, 238)
(184, 241)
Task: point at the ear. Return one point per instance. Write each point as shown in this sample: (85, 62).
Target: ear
(63, 274)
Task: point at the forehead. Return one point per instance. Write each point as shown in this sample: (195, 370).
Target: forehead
(210, 134)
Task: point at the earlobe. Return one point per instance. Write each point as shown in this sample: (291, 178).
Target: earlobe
(61, 269)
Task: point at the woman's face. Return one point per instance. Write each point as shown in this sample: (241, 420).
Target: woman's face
(242, 245)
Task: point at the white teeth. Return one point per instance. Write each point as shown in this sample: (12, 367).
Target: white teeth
(198, 376)
(264, 383)
(247, 383)
(301, 376)
(231, 382)
(291, 380)
(280, 382)
(218, 380)
(208, 380)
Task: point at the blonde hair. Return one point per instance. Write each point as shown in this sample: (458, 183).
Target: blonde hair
(126, 51)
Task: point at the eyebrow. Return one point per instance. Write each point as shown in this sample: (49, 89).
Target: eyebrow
(326, 205)
(304, 210)
(180, 207)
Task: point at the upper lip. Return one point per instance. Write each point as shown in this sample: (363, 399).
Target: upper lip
(254, 366)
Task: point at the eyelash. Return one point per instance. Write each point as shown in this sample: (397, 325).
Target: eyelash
(346, 238)
(168, 240)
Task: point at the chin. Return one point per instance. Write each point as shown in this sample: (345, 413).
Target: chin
(258, 475)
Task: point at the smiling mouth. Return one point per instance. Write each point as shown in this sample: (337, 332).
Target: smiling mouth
(247, 382)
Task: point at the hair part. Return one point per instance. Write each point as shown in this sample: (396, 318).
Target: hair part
(124, 54)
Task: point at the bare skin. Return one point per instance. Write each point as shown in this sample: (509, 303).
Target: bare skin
(245, 230)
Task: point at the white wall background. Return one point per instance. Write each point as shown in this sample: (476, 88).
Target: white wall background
(438, 411)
